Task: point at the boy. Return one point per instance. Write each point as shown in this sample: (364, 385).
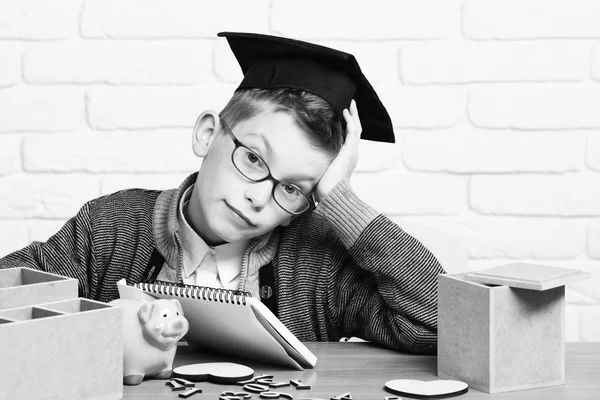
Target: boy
(270, 211)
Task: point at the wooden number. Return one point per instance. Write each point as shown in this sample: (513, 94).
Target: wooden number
(276, 395)
(256, 388)
(190, 392)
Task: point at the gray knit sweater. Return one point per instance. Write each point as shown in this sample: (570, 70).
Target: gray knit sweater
(341, 270)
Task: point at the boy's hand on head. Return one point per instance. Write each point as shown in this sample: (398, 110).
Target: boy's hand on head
(344, 163)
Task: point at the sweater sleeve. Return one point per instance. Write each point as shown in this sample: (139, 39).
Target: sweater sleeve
(65, 253)
(388, 290)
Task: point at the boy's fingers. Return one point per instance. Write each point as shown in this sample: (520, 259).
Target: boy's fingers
(350, 125)
(354, 112)
(351, 128)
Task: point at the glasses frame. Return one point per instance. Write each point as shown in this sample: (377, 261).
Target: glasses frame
(276, 182)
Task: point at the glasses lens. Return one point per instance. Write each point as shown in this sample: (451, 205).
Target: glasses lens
(249, 163)
(252, 166)
(290, 198)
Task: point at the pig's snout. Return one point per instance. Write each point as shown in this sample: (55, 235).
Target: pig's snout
(176, 328)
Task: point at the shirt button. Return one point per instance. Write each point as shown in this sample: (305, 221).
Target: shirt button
(266, 291)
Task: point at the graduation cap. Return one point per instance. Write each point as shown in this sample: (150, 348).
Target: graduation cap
(270, 62)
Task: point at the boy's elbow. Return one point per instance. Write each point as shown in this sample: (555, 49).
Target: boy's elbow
(418, 339)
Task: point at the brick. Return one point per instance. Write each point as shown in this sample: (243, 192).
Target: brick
(45, 196)
(594, 240)
(377, 156)
(10, 63)
(535, 107)
(527, 19)
(129, 62)
(126, 151)
(226, 67)
(573, 296)
(590, 324)
(28, 19)
(394, 193)
(557, 195)
(492, 241)
(572, 321)
(422, 107)
(596, 62)
(467, 150)
(171, 18)
(593, 151)
(588, 288)
(356, 20)
(26, 108)
(153, 107)
(469, 62)
(10, 154)
(41, 230)
(114, 183)
(377, 60)
(13, 236)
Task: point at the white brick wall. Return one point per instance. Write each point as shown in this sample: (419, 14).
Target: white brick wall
(496, 106)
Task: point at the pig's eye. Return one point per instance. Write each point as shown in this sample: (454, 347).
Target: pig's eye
(164, 315)
(177, 313)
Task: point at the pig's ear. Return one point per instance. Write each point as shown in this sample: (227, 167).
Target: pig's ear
(178, 304)
(145, 312)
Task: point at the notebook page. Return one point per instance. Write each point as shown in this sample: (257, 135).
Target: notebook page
(230, 328)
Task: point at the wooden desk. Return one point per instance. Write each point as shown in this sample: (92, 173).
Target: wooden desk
(363, 368)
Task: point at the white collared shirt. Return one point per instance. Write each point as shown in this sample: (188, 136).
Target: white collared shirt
(204, 265)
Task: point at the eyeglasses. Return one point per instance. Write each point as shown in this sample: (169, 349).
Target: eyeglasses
(287, 195)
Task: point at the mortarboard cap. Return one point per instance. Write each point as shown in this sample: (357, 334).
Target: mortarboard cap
(270, 62)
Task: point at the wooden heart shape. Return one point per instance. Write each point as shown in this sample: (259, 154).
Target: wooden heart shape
(215, 372)
(426, 390)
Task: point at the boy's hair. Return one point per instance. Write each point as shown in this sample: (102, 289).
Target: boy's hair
(315, 115)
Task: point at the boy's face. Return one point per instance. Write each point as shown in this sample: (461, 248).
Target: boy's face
(226, 206)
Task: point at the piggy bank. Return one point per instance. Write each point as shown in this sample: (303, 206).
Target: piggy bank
(150, 335)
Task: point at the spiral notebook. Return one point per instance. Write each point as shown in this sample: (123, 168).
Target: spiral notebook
(234, 322)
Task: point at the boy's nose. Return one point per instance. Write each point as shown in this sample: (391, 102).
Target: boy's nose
(259, 193)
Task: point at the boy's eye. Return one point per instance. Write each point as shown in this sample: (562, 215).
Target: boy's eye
(290, 190)
(253, 158)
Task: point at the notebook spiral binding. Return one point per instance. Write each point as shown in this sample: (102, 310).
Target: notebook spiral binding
(196, 292)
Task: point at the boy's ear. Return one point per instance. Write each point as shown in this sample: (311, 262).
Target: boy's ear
(205, 130)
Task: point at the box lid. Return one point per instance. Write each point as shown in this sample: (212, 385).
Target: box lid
(527, 276)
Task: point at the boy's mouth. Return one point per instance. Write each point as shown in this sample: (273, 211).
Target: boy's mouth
(242, 216)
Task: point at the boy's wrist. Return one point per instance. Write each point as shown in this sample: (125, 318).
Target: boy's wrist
(346, 212)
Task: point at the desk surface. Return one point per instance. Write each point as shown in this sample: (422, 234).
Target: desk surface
(363, 368)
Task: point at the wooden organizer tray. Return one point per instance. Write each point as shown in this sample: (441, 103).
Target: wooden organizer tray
(24, 286)
(66, 349)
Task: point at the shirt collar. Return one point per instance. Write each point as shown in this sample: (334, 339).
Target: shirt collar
(194, 247)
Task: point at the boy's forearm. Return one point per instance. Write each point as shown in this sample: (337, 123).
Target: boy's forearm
(405, 272)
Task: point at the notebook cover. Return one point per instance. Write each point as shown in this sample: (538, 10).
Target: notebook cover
(225, 321)
(527, 276)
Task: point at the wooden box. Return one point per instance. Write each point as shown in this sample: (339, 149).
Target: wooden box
(500, 338)
(54, 345)
(24, 286)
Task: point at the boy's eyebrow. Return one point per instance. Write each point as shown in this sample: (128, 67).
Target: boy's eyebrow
(269, 150)
(263, 141)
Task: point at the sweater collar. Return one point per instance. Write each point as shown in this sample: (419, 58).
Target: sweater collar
(260, 252)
